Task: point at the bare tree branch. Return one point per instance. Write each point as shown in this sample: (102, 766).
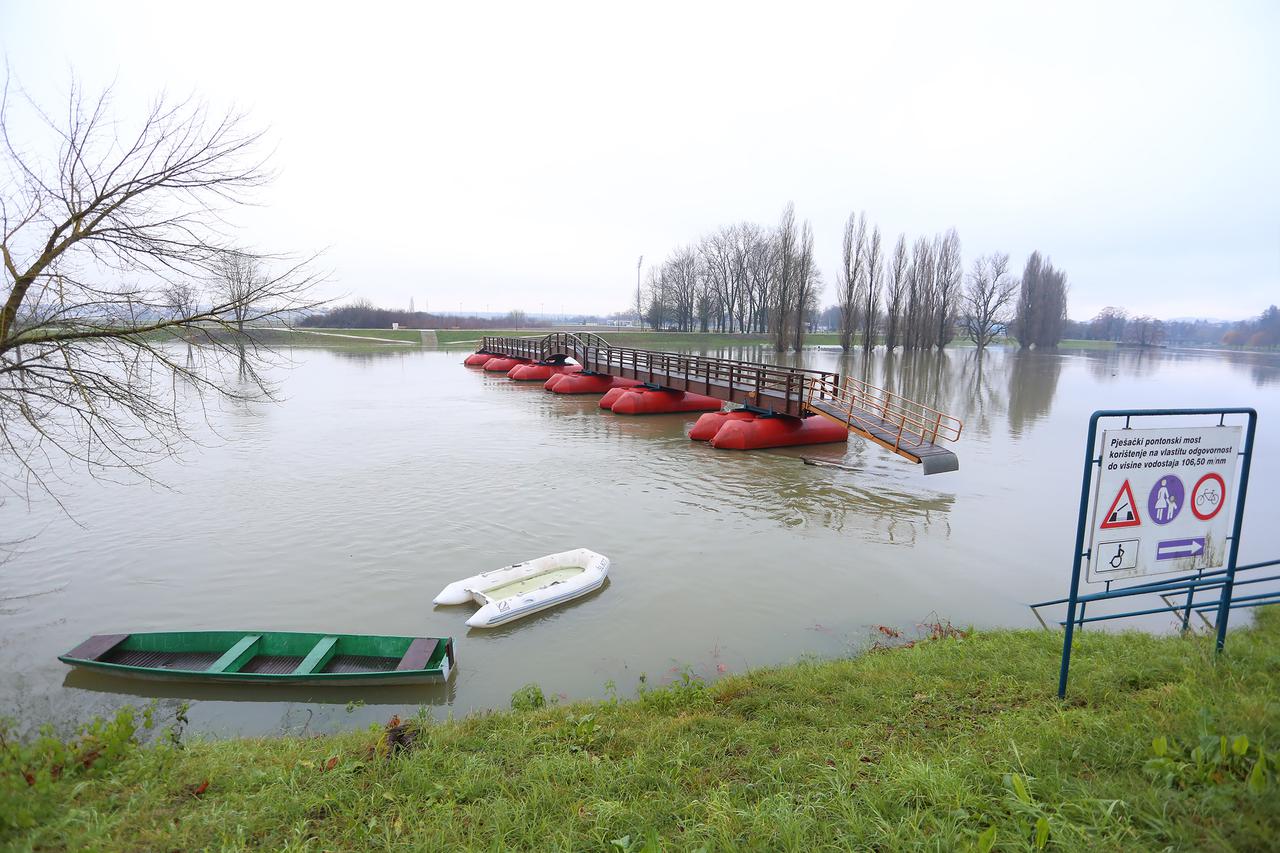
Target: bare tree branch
(115, 249)
(987, 299)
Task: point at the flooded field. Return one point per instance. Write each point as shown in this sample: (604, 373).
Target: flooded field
(387, 473)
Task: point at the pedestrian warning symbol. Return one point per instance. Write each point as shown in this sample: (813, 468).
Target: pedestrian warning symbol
(1123, 512)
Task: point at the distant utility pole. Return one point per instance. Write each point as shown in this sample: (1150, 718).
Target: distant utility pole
(639, 298)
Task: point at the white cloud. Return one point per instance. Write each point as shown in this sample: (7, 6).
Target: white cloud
(514, 155)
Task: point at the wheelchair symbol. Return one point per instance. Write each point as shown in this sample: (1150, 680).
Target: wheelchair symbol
(1117, 556)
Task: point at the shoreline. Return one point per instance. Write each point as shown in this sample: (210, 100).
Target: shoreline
(954, 740)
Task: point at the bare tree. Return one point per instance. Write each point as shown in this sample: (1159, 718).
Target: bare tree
(806, 281)
(895, 292)
(948, 278)
(987, 298)
(659, 296)
(850, 277)
(239, 275)
(639, 296)
(871, 293)
(785, 289)
(1146, 331)
(920, 295)
(1109, 324)
(103, 233)
(761, 262)
(1042, 304)
(182, 297)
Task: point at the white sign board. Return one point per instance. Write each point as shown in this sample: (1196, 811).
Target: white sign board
(1162, 503)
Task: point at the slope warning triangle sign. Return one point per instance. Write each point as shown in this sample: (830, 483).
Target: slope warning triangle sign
(1123, 512)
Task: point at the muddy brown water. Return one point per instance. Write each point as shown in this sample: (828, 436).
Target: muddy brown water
(387, 473)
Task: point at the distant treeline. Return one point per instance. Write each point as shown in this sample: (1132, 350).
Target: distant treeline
(1115, 324)
(363, 314)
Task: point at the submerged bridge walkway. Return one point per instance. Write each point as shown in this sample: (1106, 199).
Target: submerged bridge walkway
(910, 429)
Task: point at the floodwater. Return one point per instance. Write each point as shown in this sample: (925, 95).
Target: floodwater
(387, 473)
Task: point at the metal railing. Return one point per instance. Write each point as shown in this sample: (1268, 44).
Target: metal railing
(1188, 585)
(530, 348)
(787, 382)
(767, 385)
(874, 409)
(571, 344)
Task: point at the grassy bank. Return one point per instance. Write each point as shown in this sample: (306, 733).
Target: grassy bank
(412, 336)
(954, 743)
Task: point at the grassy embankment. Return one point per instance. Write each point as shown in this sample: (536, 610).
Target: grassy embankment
(412, 336)
(955, 743)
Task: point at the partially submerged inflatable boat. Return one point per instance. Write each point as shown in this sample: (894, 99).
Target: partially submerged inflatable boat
(513, 592)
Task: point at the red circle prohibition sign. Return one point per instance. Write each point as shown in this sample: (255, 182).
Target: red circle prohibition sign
(1217, 505)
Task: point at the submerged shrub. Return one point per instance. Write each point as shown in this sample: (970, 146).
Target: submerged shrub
(528, 698)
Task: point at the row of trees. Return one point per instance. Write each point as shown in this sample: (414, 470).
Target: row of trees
(914, 295)
(1262, 331)
(919, 298)
(741, 278)
(364, 314)
(752, 279)
(1115, 324)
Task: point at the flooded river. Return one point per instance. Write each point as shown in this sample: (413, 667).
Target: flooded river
(387, 473)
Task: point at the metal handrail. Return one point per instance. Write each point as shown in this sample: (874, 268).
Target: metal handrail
(595, 353)
(860, 401)
(1188, 585)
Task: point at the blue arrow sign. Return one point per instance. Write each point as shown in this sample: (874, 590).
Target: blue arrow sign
(1176, 549)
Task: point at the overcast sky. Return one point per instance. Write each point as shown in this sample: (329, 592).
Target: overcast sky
(489, 157)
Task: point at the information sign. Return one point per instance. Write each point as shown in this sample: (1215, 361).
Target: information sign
(1159, 501)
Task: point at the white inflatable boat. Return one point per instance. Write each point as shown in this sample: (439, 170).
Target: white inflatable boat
(512, 592)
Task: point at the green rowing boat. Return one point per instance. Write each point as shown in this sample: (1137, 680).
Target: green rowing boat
(268, 657)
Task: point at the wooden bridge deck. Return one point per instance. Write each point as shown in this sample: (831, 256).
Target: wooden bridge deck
(909, 429)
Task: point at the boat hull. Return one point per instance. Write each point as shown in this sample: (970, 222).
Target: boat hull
(499, 608)
(266, 658)
(369, 679)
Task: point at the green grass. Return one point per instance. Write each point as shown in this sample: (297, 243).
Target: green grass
(450, 336)
(1086, 344)
(410, 335)
(953, 744)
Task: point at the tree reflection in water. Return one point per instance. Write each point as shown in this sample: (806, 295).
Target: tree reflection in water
(1033, 382)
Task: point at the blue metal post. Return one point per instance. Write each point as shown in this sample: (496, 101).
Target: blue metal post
(1224, 603)
(1085, 482)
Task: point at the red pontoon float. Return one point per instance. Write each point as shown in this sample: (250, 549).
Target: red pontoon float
(588, 383)
(501, 364)
(540, 372)
(647, 401)
(761, 432)
(709, 424)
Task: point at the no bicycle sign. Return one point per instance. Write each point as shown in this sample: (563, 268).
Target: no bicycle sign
(1161, 501)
